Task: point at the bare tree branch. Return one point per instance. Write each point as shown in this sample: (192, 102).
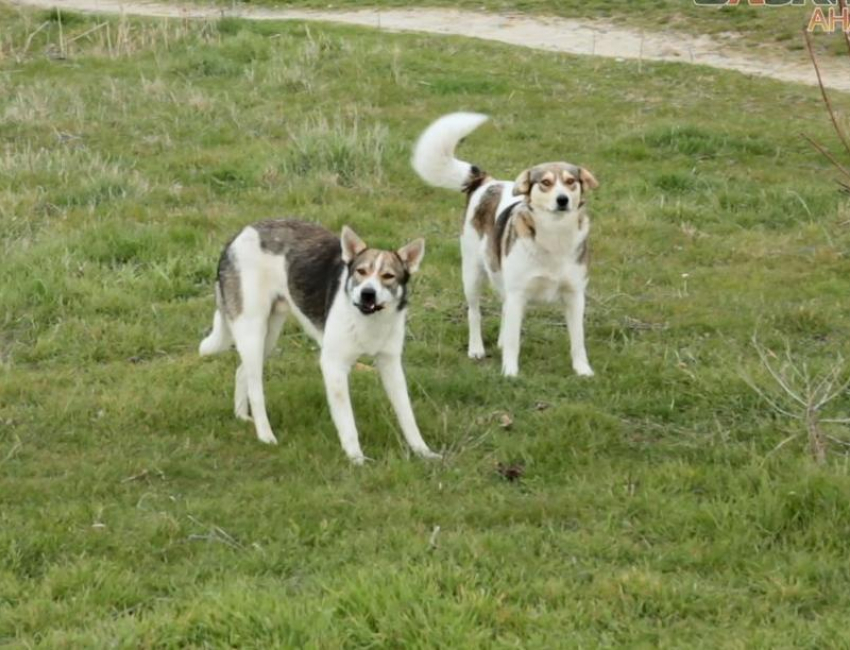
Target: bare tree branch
(826, 399)
(826, 101)
(780, 446)
(781, 381)
(839, 441)
(802, 395)
(770, 401)
(829, 156)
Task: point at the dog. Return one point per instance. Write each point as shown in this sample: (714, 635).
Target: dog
(529, 237)
(350, 298)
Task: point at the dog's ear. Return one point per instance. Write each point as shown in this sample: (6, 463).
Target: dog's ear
(412, 254)
(588, 179)
(522, 184)
(352, 245)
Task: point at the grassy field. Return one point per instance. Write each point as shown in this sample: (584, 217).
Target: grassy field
(764, 28)
(657, 507)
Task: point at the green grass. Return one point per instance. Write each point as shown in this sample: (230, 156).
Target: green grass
(655, 509)
(755, 28)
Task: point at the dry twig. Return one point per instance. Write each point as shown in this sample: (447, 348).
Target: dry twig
(803, 397)
(824, 94)
(844, 184)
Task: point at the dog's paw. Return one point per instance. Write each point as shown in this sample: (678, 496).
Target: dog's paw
(510, 370)
(583, 369)
(267, 437)
(241, 409)
(476, 353)
(359, 460)
(427, 454)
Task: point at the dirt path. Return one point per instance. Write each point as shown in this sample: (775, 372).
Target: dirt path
(553, 34)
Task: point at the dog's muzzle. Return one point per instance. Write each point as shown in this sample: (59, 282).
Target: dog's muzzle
(368, 302)
(563, 202)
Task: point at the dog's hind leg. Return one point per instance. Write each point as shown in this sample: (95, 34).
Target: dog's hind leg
(275, 325)
(250, 335)
(473, 279)
(575, 326)
(280, 311)
(240, 396)
(220, 339)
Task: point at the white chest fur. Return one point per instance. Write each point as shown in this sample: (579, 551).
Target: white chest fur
(547, 268)
(350, 334)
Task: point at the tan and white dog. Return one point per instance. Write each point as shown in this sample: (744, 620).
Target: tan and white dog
(529, 237)
(350, 298)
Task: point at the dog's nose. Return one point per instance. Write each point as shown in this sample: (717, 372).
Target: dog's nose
(563, 201)
(368, 295)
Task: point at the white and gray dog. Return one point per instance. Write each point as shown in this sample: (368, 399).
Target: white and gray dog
(350, 298)
(529, 237)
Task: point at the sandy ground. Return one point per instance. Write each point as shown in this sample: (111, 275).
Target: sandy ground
(553, 34)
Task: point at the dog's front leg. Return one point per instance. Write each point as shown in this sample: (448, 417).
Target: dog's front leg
(509, 336)
(335, 374)
(575, 326)
(473, 275)
(392, 376)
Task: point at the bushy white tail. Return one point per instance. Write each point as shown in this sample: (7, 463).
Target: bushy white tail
(219, 340)
(433, 157)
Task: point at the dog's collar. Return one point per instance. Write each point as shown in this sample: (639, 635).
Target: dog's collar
(583, 200)
(406, 276)
(509, 210)
(402, 304)
(349, 266)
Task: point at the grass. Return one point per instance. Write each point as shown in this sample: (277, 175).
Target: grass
(763, 28)
(655, 509)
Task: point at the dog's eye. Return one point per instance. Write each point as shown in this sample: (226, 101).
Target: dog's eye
(570, 182)
(361, 272)
(388, 276)
(546, 182)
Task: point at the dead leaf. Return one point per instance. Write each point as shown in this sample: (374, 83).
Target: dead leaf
(505, 420)
(510, 471)
(502, 418)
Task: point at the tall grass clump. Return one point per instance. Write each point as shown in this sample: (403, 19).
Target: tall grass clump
(344, 151)
(64, 35)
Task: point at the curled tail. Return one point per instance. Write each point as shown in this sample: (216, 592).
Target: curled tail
(434, 155)
(220, 339)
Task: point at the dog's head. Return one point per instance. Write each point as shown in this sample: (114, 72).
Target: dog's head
(377, 278)
(555, 187)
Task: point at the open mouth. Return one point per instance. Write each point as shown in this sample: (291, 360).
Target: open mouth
(368, 308)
